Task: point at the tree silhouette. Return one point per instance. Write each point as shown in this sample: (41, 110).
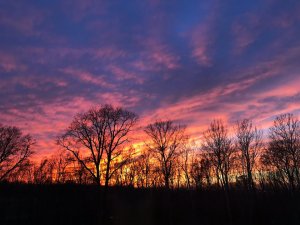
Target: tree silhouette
(15, 149)
(97, 137)
(249, 143)
(43, 173)
(283, 152)
(201, 170)
(219, 149)
(166, 139)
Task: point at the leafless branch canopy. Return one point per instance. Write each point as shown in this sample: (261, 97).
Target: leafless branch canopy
(15, 149)
(98, 133)
(166, 140)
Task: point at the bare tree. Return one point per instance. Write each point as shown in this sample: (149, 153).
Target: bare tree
(201, 170)
(166, 139)
(61, 160)
(144, 167)
(97, 138)
(249, 143)
(186, 157)
(44, 172)
(140, 167)
(15, 149)
(218, 146)
(119, 169)
(22, 173)
(283, 152)
(80, 174)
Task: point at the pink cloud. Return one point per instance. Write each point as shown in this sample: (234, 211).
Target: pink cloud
(287, 88)
(32, 81)
(198, 111)
(9, 63)
(245, 31)
(43, 55)
(161, 56)
(119, 99)
(156, 56)
(121, 74)
(200, 43)
(88, 77)
(201, 36)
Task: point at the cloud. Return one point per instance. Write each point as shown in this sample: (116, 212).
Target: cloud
(200, 44)
(87, 77)
(122, 75)
(8, 63)
(156, 56)
(21, 18)
(245, 31)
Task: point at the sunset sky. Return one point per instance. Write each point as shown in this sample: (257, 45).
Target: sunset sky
(189, 61)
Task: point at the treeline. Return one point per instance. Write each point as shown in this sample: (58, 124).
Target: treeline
(97, 149)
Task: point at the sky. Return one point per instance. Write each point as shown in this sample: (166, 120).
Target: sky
(190, 61)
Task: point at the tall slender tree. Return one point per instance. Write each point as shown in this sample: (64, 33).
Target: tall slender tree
(219, 147)
(166, 140)
(249, 143)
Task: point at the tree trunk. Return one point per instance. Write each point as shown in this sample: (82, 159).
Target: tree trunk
(107, 176)
(98, 180)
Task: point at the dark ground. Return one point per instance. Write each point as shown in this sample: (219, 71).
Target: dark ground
(84, 205)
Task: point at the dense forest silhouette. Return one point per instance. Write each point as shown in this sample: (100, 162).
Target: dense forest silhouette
(230, 175)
